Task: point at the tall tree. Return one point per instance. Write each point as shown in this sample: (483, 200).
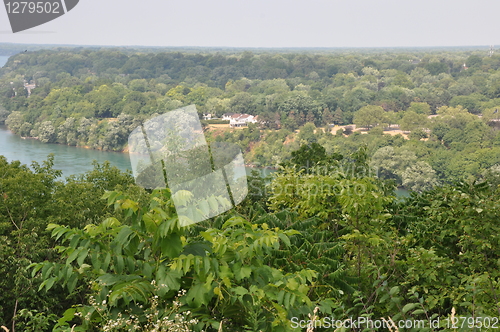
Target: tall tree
(338, 116)
(412, 121)
(420, 108)
(327, 117)
(370, 116)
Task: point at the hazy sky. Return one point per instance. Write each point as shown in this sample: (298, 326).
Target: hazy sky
(270, 23)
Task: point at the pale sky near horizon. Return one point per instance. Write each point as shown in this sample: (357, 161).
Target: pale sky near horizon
(271, 23)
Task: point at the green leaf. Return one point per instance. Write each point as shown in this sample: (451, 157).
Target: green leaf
(74, 240)
(394, 290)
(243, 272)
(48, 283)
(74, 254)
(122, 237)
(198, 295)
(119, 264)
(106, 262)
(52, 226)
(286, 300)
(109, 279)
(207, 236)
(81, 256)
(187, 260)
(147, 270)
(206, 265)
(281, 296)
(225, 272)
(135, 290)
(173, 280)
(149, 223)
(292, 284)
(418, 312)
(240, 291)
(284, 238)
(167, 227)
(130, 262)
(37, 267)
(110, 223)
(96, 260)
(130, 205)
(409, 307)
(72, 282)
(171, 246)
(67, 316)
(47, 270)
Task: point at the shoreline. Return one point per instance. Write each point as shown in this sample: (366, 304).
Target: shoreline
(125, 150)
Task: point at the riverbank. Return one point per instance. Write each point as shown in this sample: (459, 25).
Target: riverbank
(125, 150)
(70, 159)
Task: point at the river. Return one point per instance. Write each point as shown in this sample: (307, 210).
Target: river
(3, 60)
(71, 160)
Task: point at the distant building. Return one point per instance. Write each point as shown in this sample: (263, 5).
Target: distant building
(227, 116)
(29, 87)
(207, 116)
(239, 120)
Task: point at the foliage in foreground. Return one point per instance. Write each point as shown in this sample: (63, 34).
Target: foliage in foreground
(331, 238)
(421, 258)
(29, 200)
(136, 267)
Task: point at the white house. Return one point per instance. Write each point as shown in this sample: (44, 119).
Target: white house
(239, 120)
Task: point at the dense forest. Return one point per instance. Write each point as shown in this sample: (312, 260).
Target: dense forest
(446, 101)
(98, 253)
(323, 244)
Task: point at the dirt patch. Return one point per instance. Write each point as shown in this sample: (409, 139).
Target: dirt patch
(288, 140)
(218, 126)
(392, 132)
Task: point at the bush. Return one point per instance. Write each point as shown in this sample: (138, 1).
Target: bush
(377, 131)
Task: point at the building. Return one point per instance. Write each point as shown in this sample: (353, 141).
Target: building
(239, 120)
(29, 87)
